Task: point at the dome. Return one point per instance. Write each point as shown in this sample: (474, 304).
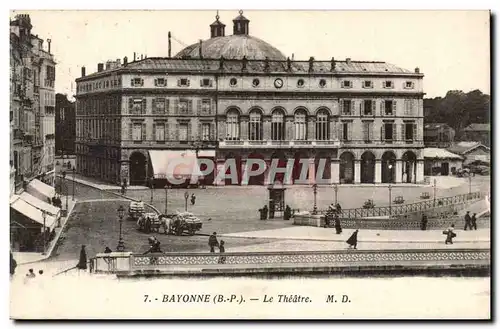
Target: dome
(233, 47)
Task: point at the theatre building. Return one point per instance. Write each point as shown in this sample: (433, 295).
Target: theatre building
(237, 97)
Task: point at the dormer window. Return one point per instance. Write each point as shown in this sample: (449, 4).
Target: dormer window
(367, 84)
(160, 82)
(409, 85)
(184, 82)
(137, 82)
(388, 84)
(346, 84)
(206, 83)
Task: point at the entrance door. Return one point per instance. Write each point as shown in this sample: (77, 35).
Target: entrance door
(445, 168)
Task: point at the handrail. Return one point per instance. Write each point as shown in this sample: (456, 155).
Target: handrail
(407, 208)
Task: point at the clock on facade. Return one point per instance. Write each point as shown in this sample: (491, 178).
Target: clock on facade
(278, 83)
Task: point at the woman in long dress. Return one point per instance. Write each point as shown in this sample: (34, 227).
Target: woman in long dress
(353, 240)
(82, 264)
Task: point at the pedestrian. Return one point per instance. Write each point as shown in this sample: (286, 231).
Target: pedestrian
(467, 221)
(339, 208)
(272, 208)
(423, 224)
(222, 250)
(82, 264)
(13, 264)
(473, 223)
(265, 210)
(40, 272)
(338, 227)
(212, 242)
(450, 234)
(30, 273)
(193, 199)
(353, 240)
(288, 213)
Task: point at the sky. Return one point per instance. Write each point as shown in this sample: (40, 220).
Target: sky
(451, 48)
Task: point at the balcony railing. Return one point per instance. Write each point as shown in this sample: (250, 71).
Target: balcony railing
(375, 141)
(278, 144)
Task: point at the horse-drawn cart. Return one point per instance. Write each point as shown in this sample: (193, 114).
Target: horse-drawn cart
(136, 210)
(149, 222)
(186, 222)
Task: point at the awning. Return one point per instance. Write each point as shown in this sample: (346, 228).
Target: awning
(206, 154)
(167, 164)
(47, 207)
(32, 212)
(40, 190)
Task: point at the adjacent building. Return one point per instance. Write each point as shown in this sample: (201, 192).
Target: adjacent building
(65, 128)
(477, 132)
(238, 97)
(438, 135)
(440, 162)
(471, 151)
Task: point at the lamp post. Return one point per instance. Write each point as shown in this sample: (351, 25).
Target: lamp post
(390, 200)
(151, 187)
(121, 245)
(315, 192)
(166, 199)
(434, 192)
(336, 189)
(470, 187)
(74, 172)
(186, 196)
(44, 216)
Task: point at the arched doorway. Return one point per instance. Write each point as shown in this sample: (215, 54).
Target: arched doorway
(301, 162)
(409, 167)
(368, 168)
(137, 169)
(388, 167)
(346, 168)
(259, 179)
(237, 159)
(324, 160)
(282, 161)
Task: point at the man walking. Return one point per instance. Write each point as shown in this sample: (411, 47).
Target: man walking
(212, 242)
(423, 224)
(467, 221)
(473, 223)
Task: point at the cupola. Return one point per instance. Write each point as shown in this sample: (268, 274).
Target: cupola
(240, 25)
(217, 28)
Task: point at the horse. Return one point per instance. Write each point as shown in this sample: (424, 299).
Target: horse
(167, 223)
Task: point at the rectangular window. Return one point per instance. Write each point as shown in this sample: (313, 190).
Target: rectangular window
(409, 131)
(346, 107)
(160, 82)
(388, 131)
(183, 132)
(300, 126)
(346, 84)
(388, 84)
(137, 82)
(368, 107)
(409, 107)
(205, 83)
(367, 131)
(277, 128)
(183, 106)
(205, 106)
(159, 106)
(409, 85)
(160, 132)
(205, 131)
(345, 131)
(388, 107)
(184, 82)
(367, 84)
(137, 132)
(137, 105)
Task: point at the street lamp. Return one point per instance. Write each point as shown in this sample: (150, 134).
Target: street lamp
(315, 192)
(74, 172)
(151, 187)
(470, 188)
(44, 216)
(434, 192)
(166, 199)
(335, 188)
(121, 245)
(186, 196)
(390, 200)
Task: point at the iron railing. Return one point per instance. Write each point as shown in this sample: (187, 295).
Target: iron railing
(401, 209)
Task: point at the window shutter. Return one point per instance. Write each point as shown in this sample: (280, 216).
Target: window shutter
(130, 127)
(201, 83)
(176, 106)
(154, 131)
(341, 104)
(188, 82)
(132, 82)
(382, 103)
(190, 106)
(153, 105)
(349, 131)
(167, 106)
(212, 131)
(142, 82)
(394, 136)
(374, 108)
(211, 83)
(200, 131)
(178, 82)
(361, 107)
(200, 102)
(370, 130)
(144, 131)
(156, 82)
(382, 132)
(353, 108)
(403, 131)
(130, 104)
(416, 135)
(177, 128)
(394, 107)
(404, 84)
(350, 84)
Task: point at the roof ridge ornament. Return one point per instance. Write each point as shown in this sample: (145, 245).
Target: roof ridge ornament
(240, 12)
(217, 16)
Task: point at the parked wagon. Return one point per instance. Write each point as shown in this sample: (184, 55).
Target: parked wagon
(369, 204)
(136, 210)
(186, 222)
(425, 196)
(399, 200)
(149, 222)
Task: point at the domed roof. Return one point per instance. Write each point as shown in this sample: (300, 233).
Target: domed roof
(233, 47)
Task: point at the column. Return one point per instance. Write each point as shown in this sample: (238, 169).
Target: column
(399, 171)
(124, 172)
(357, 172)
(311, 128)
(220, 170)
(242, 171)
(378, 171)
(267, 173)
(420, 171)
(244, 128)
(312, 171)
(266, 134)
(334, 171)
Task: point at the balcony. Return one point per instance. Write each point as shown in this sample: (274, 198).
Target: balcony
(378, 142)
(230, 144)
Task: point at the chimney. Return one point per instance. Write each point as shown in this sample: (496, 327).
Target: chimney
(417, 70)
(142, 57)
(134, 57)
(332, 64)
(293, 56)
(201, 52)
(108, 65)
(125, 60)
(169, 45)
(118, 62)
(311, 64)
(83, 71)
(100, 67)
(49, 41)
(348, 61)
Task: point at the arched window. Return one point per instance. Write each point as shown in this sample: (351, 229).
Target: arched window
(233, 125)
(255, 126)
(278, 126)
(322, 127)
(300, 125)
